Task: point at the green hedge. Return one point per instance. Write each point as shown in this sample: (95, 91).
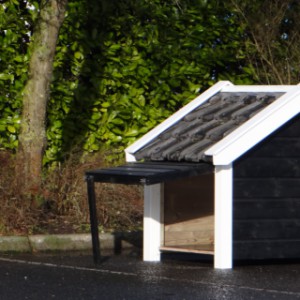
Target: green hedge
(15, 26)
(121, 67)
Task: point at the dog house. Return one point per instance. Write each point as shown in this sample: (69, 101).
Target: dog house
(221, 176)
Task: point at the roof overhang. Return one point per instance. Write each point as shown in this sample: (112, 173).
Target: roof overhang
(244, 137)
(258, 127)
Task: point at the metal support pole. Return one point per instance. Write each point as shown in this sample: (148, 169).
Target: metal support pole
(93, 218)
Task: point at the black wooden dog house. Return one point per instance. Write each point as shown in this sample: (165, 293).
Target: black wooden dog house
(221, 176)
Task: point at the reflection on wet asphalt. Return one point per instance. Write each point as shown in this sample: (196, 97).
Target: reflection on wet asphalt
(126, 276)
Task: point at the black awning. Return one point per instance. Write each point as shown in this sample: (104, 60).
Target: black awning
(149, 172)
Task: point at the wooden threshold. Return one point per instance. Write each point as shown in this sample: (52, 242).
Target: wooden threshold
(204, 249)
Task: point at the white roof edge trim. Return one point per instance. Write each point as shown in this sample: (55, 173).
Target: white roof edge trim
(258, 88)
(129, 151)
(256, 129)
(129, 157)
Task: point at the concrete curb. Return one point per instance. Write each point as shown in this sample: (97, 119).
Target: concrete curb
(69, 242)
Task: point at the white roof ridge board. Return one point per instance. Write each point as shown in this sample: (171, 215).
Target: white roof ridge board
(244, 137)
(258, 88)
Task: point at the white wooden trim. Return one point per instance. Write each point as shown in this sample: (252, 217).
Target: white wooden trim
(153, 199)
(221, 86)
(223, 217)
(129, 157)
(258, 88)
(175, 118)
(256, 129)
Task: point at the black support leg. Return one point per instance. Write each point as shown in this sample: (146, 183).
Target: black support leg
(93, 218)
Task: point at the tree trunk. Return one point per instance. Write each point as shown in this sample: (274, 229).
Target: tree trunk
(32, 138)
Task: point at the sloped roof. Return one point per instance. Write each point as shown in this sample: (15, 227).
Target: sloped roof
(188, 139)
(219, 125)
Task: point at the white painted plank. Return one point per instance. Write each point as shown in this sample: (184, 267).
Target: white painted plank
(153, 197)
(223, 217)
(258, 88)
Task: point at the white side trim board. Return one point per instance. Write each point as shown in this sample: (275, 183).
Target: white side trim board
(258, 88)
(256, 129)
(129, 157)
(223, 217)
(153, 197)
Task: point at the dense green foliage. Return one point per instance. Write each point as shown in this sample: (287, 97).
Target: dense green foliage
(121, 67)
(15, 27)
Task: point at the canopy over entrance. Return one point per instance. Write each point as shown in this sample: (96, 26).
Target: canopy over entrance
(146, 173)
(149, 172)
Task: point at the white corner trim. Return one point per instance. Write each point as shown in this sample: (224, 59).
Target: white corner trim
(129, 157)
(258, 88)
(223, 217)
(175, 118)
(256, 129)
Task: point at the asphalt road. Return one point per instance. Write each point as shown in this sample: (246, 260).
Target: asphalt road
(73, 276)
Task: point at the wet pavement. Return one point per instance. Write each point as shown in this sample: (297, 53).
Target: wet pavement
(126, 276)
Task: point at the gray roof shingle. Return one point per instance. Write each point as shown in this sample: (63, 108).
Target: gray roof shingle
(188, 139)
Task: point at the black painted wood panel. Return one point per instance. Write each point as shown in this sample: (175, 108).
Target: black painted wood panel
(267, 197)
(283, 229)
(279, 147)
(291, 129)
(271, 167)
(267, 188)
(266, 249)
(262, 208)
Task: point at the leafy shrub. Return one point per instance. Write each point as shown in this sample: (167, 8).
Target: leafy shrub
(15, 27)
(121, 67)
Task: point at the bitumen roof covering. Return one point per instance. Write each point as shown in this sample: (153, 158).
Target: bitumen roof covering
(204, 126)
